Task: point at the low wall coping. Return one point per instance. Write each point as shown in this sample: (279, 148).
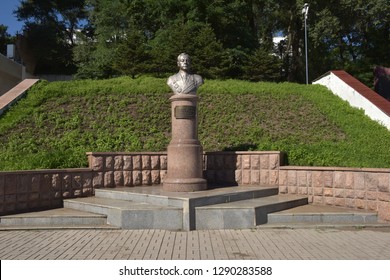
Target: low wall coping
(320, 168)
(46, 171)
(164, 153)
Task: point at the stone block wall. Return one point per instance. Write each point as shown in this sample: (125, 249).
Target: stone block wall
(242, 168)
(22, 191)
(367, 188)
(110, 170)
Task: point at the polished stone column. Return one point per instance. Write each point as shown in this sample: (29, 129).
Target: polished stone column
(185, 153)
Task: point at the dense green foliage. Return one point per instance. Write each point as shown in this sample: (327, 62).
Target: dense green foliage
(57, 123)
(227, 38)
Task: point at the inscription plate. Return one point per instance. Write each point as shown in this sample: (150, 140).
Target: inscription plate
(185, 112)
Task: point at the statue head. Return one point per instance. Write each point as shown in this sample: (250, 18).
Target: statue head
(184, 62)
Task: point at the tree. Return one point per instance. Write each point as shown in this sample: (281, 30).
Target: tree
(49, 29)
(5, 38)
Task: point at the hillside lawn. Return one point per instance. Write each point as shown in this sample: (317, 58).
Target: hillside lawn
(58, 122)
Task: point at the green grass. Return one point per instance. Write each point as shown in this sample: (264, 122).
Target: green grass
(58, 122)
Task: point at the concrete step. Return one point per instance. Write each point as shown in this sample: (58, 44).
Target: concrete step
(55, 218)
(244, 213)
(316, 214)
(130, 214)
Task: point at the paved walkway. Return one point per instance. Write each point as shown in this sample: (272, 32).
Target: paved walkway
(285, 244)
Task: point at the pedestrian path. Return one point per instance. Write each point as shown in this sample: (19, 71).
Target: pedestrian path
(247, 244)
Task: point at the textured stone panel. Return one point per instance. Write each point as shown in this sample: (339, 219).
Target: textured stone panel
(318, 191)
(246, 177)
(358, 180)
(155, 162)
(349, 180)
(303, 191)
(156, 177)
(118, 178)
(97, 180)
(137, 178)
(56, 182)
(239, 162)
(273, 177)
(360, 204)
(255, 162)
(318, 179)
(339, 179)
(382, 196)
(146, 162)
(127, 178)
(283, 189)
(163, 162)
(360, 194)
(370, 195)
(109, 179)
(77, 182)
(246, 161)
(110, 162)
(302, 178)
(328, 192)
(137, 164)
(264, 177)
(255, 176)
(118, 163)
(384, 182)
(97, 163)
(292, 189)
(127, 163)
(283, 177)
(328, 179)
(371, 181)
(265, 162)
(292, 178)
(87, 180)
(146, 177)
(66, 182)
(339, 202)
(340, 193)
(274, 161)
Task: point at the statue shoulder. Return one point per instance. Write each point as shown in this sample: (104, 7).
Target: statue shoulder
(173, 78)
(198, 79)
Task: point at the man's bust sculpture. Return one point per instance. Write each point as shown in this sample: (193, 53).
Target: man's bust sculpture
(184, 82)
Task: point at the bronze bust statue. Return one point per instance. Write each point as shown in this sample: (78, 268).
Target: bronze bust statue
(184, 82)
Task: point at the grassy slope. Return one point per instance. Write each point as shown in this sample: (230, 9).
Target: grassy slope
(58, 122)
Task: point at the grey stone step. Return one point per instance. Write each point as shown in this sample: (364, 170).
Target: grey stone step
(155, 195)
(55, 218)
(244, 213)
(186, 200)
(129, 214)
(316, 214)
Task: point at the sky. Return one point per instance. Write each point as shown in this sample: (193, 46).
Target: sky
(7, 18)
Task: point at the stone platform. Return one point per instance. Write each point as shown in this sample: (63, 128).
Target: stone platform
(151, 207)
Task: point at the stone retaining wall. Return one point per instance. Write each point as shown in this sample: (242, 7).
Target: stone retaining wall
(23, 191)
(364, 188)
(135, 169)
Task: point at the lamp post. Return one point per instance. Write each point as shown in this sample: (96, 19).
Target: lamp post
(305, 12)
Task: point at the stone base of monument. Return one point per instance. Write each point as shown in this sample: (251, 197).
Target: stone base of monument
(220, 208)
(185, 153)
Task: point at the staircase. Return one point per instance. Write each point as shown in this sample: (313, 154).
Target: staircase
(220, 208)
